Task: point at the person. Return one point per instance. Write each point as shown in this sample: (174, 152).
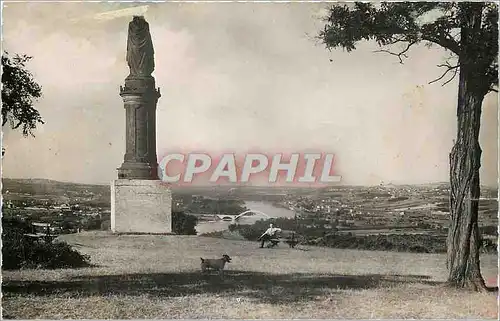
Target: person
(268, 234)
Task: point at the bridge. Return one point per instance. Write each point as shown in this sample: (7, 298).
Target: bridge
(234, 218)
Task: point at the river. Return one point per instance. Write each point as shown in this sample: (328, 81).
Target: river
(265, 207)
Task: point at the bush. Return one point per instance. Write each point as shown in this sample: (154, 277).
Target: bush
(55, 255)
(106, 225)
(90, 224)
(184, 224)
(249, 232)
(215, 234)
(489, 230)
(312, 232)
(13, 242)
(254, 231)
(391, 242)
(19, 251)
(67, 226)
(488, 246)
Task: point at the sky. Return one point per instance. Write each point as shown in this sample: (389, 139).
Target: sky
(234, 77)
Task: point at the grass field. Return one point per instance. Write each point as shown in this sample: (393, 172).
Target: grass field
(158, 277)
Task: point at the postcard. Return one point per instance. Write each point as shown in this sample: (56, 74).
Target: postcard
(249, 160)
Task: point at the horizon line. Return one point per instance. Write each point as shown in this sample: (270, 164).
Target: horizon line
(236, 185)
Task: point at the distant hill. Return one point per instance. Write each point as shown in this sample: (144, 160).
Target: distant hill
(53, 187)
(49, 187)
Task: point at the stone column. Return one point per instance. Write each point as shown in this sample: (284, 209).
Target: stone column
(140, 98)
(140, 202)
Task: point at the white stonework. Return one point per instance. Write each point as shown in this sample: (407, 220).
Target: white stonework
(140, 206)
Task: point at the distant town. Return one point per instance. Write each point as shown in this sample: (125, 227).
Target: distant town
(70, 208)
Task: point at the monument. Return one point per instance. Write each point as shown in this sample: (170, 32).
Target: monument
(140, 202)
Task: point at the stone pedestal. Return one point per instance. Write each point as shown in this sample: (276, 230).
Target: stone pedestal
(141, 206)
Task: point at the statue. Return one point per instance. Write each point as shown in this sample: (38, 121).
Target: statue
(140, 52)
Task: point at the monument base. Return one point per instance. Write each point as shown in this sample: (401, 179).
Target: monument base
(137, 171)
(141, 207)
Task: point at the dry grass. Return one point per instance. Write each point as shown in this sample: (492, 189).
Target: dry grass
(157, 277)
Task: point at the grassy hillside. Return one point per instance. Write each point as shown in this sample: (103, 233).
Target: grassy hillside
(158, 277)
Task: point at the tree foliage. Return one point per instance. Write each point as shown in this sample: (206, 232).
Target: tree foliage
(19, 93)
(20, 251)
(184, 224)
(468, 31)
(410, 23)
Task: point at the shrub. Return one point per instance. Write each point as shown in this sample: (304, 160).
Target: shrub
(391, 242)
(490, 230)
(488, 246)
(249, 232)
(90, 224)
(55, 255)
(19, 251)
(106, 225)
(253, 231)
(14, 242)
(67, 226)
(312, 232)
(215, 234)
(184, 224)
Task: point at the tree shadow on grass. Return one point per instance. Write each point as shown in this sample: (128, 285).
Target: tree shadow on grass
(264, 287)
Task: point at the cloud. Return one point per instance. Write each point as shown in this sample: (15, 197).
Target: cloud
(109, 15)
(233, 76)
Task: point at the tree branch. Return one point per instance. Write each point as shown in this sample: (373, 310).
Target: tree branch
(18, 124)
(440, 33)
(444, 42)
(401, 53)
(449, 68)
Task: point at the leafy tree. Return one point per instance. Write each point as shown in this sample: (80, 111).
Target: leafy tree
(468, 31)
(67, 225)
(19, 92)
(184, 224)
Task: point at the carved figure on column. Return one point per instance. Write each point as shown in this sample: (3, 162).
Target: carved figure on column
(140, 52)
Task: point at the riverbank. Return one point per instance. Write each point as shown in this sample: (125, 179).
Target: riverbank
(317, 232)
(262, 210)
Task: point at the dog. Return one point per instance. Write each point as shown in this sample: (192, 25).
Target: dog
(215, 264)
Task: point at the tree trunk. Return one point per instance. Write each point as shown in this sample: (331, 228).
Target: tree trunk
(464, 238)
